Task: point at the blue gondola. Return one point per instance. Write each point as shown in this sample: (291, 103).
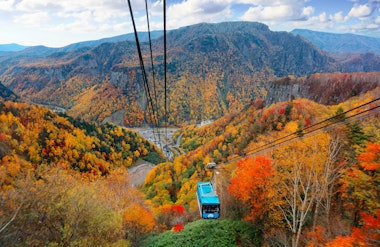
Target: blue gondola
(208, 201)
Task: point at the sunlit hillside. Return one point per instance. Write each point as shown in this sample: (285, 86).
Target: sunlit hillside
(296, 168)
(272, 141)
(64, 180)
(281, 177)
(212, 70)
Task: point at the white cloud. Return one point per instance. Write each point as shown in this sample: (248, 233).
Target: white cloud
(308, 11)
(67, 15)
(33, 19)
(267, 13)
(360, 11)
(196, 11)
(277, 11)
(102, 9)
(80, 19)
(121, 27)
(7, 5)
(373, 26)
(337, 17)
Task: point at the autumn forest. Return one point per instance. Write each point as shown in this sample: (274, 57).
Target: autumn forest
(296, 145)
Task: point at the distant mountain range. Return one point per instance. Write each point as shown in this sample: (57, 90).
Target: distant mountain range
(212, 69)
(143, 36)
(341, 43)
(331, 42)
(12, 47)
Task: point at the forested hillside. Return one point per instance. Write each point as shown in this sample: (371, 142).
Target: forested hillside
(323, 88)
(213, 69)
(299, 182)
(35, 135)
(6, 94)
(64, 181)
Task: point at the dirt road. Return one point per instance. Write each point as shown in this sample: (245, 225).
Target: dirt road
(138, 172)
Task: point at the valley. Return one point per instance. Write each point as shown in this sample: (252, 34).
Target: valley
(161, 137)
(293, 130)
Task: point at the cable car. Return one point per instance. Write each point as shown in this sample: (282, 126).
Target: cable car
(208, 201)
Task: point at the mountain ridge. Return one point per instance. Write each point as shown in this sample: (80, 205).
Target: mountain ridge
(12, 47)
(212, 69)
(341, 43)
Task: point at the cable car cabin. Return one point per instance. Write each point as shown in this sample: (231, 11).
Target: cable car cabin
(208, 201)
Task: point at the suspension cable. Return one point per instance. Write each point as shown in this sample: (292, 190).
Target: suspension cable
(153, 74)
(296, 135)
(165, 72)
(300, 132)
(142, 67)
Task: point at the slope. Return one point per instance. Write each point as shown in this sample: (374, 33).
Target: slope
(209, 233)
(32, 136)
(6, 94)
(235, 136)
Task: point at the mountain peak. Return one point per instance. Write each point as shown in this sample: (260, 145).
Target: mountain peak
(224, 27)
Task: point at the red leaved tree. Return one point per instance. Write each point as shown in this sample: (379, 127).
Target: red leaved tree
(178, 227)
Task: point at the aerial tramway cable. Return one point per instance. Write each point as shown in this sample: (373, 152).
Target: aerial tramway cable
(165, 72)
(328, 120)
(295, 136)
(153, 105)
(331, 124)
(341, 119)
(151, 109)
(156, 117)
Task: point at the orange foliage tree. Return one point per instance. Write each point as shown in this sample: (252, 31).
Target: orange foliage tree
(137, 221)
(367, 235)
(360, 183)
(252, 184)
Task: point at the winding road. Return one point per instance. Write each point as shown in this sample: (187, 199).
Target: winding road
(140, 170)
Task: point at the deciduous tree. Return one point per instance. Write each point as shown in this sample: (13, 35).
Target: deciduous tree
(252, 185)
(299, 173)
(137, 221)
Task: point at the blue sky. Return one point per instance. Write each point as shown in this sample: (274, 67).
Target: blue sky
(58, 23)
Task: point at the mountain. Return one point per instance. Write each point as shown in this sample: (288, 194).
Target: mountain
(341, 43)
(251, 46)
(17, 52)
(359, 61)
(12, 47)
(212, 69)
(143, 36)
